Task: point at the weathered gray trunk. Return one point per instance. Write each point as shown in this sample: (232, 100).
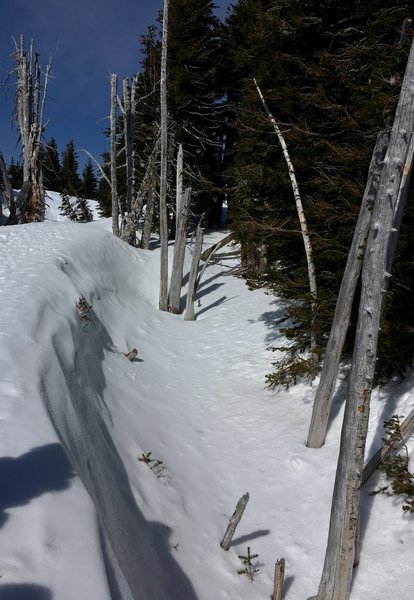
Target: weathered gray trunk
(198, 245)
(406, 428)
(128, 140)
(340, 554)
(279, 579)
(8, 192)
(234, 521)
(114, 179)
(163, 300)
(30, 105)
(340, 323)
(149, 217)
(183, 206)
(301, 214)
(146, 189)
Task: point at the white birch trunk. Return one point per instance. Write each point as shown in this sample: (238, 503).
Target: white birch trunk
(344, 523)
(163, 300)
(301, 214)
(114, 184)
(198, 244)
(174, 296)
(323, 399)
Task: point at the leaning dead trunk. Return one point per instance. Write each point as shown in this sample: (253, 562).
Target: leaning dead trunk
(174, 296)
(301, 214)
(340, 323)
(114, 184)
(344, 523)
(163, 300)
(198, 244)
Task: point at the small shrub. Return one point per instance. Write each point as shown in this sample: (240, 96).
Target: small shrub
(395, 466)
(249, 568)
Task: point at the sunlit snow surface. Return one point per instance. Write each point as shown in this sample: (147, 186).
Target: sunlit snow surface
(81, 517)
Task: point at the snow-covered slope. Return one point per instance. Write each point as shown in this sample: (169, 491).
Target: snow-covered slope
(81, 517)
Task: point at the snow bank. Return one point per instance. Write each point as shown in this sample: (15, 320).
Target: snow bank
(103, 525)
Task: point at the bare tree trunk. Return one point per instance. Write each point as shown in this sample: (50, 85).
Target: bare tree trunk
(339, 560)
(163, 300)
(340, 323)
(279, 580)
(114, 184)
(30, 104)
(128, 140)
(198, 244)
(147, 188)
(174, 296)
(234, 521)
(149, 217)
(406, 428)
(299, 207)
(8, 192)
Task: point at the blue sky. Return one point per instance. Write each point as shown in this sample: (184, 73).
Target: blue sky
(92, 38)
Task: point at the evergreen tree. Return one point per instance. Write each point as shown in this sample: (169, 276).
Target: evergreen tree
(52, 167)
(70, 180)
(82, 211)
(103, 195)
(15, 173)
(89, 181)
(330, 73)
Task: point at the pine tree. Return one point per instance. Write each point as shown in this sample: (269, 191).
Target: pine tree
(103, 194)
(15, 173)
(52, 167)
(330, 73)
(70, 180)
(89, 181)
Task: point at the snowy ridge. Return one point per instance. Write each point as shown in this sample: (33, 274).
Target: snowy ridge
(104, 526)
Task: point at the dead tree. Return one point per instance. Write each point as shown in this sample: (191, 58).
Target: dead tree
(198, 245)
(114, 184)
(183, 201)
(340, 323)
(234, 521)
(344, 522)
(30, 105)
(163, 299)
(299, 207)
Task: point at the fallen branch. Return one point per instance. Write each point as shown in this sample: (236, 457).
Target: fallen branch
(234, 521)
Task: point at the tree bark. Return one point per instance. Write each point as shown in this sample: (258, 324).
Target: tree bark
(30, 105)
(163, 300)
(114, 184)
(301, 214)
(198, 244)
(340, 554)
(279, 580)
(183, 206)
(234, 521)
(340, 323)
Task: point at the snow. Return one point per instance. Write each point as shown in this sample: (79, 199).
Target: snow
(81, 517)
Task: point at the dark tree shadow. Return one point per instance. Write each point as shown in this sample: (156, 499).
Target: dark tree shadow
(24, 591)
(274, 320)
(218, 302)
(250, 536)
(43, 469)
